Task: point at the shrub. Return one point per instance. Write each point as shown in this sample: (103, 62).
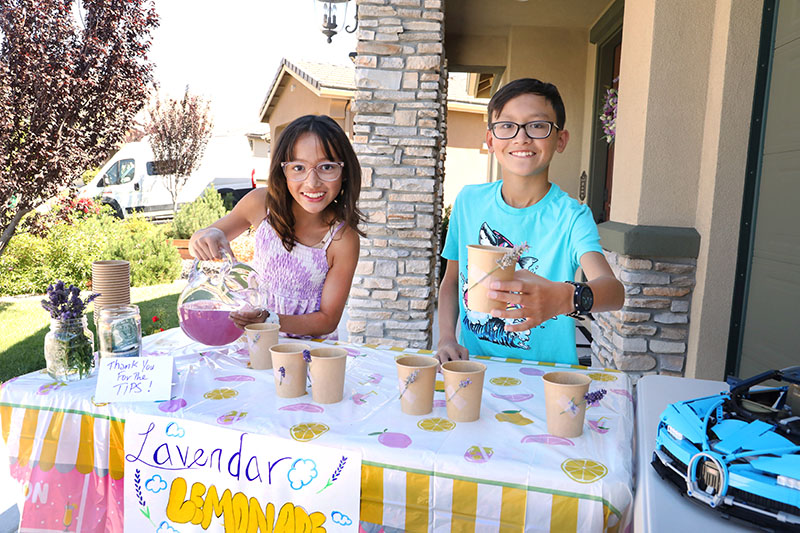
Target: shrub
(31, 262)
(206, 209)
(22, 270)
(67, 208)
(67, 249)
(153, 259)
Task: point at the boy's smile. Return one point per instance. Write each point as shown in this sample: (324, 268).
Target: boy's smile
(521, 156)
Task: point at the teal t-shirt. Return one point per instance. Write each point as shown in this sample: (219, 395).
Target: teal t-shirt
(558, 230)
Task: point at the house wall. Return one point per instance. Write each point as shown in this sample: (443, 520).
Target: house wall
(686, 91)
(296, 100)
(467, 161)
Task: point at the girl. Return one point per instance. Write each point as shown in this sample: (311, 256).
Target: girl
(307, 236)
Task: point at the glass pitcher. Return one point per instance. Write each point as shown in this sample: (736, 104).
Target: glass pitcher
(205, 304)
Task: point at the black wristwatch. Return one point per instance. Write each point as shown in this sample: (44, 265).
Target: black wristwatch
(582, 299)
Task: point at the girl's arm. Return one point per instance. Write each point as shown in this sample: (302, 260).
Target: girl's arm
(206, 243)
(343, 258)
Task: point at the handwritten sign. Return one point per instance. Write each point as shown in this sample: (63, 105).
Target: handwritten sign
(134, 379)
(182, 475)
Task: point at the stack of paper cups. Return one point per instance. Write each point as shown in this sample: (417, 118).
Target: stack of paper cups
(112, 279)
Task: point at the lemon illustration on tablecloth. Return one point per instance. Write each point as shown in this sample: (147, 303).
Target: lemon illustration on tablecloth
(438, 386)
(436, 424)
(602, 376)
(220, 394)
(505, 381)
(307, 431)
(584, 470)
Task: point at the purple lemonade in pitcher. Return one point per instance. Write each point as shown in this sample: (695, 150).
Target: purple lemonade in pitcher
(208, 322)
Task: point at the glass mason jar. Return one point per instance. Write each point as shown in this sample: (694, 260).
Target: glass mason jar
(69, 349)
(120, 331)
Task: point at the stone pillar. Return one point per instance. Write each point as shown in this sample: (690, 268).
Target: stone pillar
(657, 267)
(398, 134)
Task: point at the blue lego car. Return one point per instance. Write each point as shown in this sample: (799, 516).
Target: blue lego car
(738, 452)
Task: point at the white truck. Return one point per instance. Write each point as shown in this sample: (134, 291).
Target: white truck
(129, 181)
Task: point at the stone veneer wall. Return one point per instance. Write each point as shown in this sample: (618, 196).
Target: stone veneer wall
(399, 136)
(651, 331)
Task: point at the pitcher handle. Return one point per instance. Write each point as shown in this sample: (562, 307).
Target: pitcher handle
(216, 279)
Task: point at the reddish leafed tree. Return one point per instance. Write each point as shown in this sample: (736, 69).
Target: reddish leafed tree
(179, 132)
(71, 80)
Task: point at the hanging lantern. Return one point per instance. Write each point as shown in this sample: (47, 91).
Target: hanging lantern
(329, 13)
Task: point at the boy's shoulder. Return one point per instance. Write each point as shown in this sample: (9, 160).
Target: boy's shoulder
(479, 190)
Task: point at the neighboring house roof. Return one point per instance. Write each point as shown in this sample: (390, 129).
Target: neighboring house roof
(338, 81)
(322, 79)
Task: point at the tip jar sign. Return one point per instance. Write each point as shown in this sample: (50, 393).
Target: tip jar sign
(213, 291)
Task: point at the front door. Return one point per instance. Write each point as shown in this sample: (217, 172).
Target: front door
(771, 315)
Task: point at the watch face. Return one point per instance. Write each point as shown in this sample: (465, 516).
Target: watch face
(586, 299)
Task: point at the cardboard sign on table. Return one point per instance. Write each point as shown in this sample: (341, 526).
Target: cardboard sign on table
(134, 379)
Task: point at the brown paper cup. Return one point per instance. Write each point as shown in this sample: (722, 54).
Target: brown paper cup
(260, 338)
(463, 402)
(563, 400)
(481, 260)
(416, 396)
(289, 357)
(327, 374)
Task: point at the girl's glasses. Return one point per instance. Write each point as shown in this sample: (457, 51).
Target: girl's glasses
(326, 171)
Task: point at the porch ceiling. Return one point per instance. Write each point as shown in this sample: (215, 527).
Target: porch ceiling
(479, 17)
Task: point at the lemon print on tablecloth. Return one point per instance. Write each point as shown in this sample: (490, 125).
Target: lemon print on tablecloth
(220, 394)
(307, 431)
(436, 424)
(602, 376)
(438, 386)
(584, 470)
(505, 382)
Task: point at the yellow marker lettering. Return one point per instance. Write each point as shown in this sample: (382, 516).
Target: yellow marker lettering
(178, 510)
(196, 497)
(257, 521)
(317, 521)
(239, 518)
(214, 506)
(285, 521)
(302, 523)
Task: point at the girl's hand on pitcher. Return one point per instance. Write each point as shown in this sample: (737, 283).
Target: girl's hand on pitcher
(209, 243)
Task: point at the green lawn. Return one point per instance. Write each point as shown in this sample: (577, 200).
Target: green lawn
(24, 324)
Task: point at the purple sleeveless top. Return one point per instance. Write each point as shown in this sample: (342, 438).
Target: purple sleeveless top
(292, 280)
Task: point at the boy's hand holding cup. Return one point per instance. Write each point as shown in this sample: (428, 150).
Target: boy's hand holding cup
(485, 265)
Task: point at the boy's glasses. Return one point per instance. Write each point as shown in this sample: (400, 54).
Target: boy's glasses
(326, 171)
(537, 129)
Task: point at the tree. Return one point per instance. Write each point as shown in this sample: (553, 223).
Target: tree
(179, 132)
(71, 81)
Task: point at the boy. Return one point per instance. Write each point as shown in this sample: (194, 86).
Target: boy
(526, 129)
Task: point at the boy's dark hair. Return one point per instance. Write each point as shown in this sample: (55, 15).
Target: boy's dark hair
(337, 148)
(528, 86)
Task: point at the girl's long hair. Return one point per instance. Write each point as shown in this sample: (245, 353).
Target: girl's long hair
(337, 148)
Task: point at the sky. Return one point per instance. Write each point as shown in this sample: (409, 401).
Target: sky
(229, 52)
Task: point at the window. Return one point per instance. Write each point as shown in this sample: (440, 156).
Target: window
(159, 168)
(127, 168)
(111, 177)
